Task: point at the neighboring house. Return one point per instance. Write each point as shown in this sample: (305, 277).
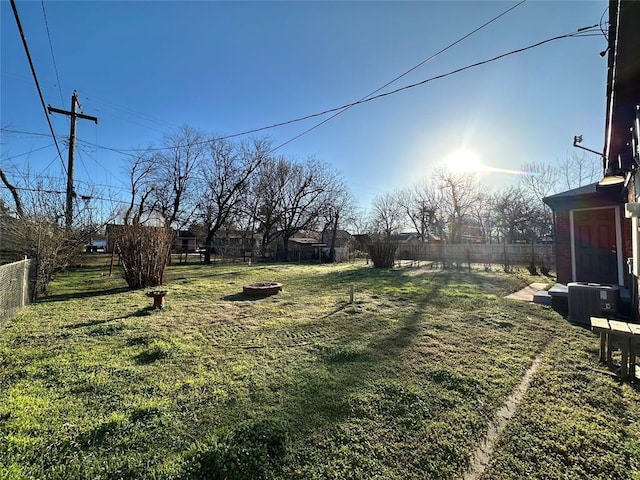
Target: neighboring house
(407, 237)
(472, 234)
(343, 238)
(304, 249)
(185, 241)
(231, 243)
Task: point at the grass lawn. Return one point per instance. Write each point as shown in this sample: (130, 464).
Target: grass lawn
(400, 384)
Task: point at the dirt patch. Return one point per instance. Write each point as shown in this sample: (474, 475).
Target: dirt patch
(482, 455)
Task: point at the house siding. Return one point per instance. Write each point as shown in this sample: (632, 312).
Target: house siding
(563, 247)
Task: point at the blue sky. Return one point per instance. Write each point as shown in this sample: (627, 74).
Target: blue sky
(146, 67)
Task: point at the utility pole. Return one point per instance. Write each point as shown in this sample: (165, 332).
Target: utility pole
(68, 213)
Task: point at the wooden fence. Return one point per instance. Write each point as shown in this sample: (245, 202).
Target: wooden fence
(485, 254)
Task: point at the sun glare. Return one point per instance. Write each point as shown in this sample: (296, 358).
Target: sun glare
(464, 161)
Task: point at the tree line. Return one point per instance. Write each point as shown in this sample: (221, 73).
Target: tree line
(456, 208)
(193, 180)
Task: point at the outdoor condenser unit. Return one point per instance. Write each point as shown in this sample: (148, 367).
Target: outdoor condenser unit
(591, 300)
(609, 298)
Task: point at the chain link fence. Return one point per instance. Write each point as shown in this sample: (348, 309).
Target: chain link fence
(17, 281)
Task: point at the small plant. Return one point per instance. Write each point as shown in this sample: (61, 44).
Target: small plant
(253, 451)
(342, 353)
(157, 350)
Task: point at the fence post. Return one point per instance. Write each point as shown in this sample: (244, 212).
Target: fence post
(25, 281)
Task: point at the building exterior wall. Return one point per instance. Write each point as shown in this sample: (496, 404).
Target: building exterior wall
(563, 246)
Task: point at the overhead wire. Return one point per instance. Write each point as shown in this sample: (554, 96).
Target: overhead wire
(24, 132)
(132, 112)
(35, 79)
(407, 72)
(106, 170)
(27, 153)
(53, 57)
(62, 192)
(604, 32)
(27, 177)
(584, 32)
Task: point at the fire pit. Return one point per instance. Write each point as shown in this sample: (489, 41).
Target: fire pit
(262, 288)
(158, 297)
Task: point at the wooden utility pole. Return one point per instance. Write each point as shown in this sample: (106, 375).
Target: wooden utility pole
(68, 213)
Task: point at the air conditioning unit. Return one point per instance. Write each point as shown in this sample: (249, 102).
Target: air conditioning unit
(588, 300)
(609, 298)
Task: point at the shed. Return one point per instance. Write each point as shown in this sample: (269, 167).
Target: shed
(592, 235)
(185, 241)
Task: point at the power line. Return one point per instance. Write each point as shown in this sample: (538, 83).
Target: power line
(441, 51)
(428, 59)
(35, 79)
(583, 32)
(28, 178)
(62, 192)
(107, 171)
(133, 113)
(24, 132)
(27, 153)
(55, 66)
(579, 33)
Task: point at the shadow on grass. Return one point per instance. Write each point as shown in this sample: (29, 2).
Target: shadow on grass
(243, 297)
(339, 308)
(143, 312)
(62, 297)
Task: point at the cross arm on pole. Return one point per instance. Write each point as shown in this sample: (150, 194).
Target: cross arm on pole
(75, 114)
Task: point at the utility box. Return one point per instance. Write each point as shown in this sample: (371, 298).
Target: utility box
(588, 300)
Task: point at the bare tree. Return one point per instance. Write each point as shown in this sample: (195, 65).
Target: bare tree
(578, 170)
(388, 213)
(457, 193)
(39, 225)
(263, 199)
(420, 205)
(513, 209)
(483, 215)
(307, 192)
(340, 210)
(540, 179)
(139, 170)
(227, 169)
(172, 176)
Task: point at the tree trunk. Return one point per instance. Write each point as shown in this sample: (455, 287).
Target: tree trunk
(207, 247)
(332, 246)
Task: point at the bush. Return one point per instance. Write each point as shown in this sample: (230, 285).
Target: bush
(143, 253)
(383, 254)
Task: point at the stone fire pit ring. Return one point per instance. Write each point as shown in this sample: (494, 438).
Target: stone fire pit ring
(262, 288)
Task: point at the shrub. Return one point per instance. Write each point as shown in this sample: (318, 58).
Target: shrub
(143, 253)
(383, 254)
